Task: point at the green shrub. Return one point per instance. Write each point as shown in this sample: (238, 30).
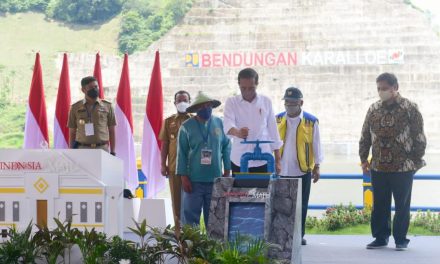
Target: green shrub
(338, 217)
(120, 249)
(243, 250)
(189, 246)
(142, 23)
(428, 220)
(21, 247)
(83, 11)
(15, 6)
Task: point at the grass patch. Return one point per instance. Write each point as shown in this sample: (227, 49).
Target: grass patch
(347, 220)
(12, 124)
(351, 230)
(366, 230)
(23, 34)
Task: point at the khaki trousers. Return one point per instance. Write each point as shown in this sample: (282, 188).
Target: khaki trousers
(176, 192)
(103, 147)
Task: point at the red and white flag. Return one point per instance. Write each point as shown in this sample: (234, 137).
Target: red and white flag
(124, 146)
(36, 134)
(61, 131)
(150, 140)
(97, 74)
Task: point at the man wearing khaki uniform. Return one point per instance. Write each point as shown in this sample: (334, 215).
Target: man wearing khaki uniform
(92, 120)
(168, 135)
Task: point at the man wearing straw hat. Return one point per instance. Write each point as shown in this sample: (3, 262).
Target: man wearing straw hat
(202, 148)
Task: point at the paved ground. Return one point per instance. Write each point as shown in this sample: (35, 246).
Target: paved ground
(345, 249)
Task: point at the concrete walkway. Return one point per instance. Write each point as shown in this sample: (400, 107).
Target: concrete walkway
(350, 249)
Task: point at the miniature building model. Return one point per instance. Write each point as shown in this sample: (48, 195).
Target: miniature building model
(84, 186)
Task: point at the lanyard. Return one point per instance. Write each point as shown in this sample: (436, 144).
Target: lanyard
(204, 136)
(89, 114)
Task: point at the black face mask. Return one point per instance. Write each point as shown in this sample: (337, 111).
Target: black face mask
(93, 93)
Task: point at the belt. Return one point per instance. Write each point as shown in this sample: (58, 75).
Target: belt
(92, 145)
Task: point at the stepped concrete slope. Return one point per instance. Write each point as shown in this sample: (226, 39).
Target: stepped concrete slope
(333, 50)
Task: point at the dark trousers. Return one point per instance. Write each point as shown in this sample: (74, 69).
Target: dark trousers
(306, 182)
(399, 185)
(236, 168)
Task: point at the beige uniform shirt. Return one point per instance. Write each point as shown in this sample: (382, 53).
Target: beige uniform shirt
(101, 115)
(169, 132)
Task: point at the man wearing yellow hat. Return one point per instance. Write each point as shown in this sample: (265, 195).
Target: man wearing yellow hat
(202, 148)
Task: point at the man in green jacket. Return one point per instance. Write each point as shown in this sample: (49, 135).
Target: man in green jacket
(202, 148)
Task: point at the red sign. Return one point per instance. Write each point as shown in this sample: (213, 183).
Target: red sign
(226, 59)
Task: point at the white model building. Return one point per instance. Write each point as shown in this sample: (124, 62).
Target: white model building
(82, 185)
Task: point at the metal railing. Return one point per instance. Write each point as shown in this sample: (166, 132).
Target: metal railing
(368, 190)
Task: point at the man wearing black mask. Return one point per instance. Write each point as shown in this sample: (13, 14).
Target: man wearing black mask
(202, 149)
(92, 120)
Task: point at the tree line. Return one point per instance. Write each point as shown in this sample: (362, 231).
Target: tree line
(143, 21)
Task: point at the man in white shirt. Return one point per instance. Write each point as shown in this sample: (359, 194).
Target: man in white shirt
(250, 116)
(300, 129)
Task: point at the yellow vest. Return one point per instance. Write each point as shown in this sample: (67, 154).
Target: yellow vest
(304, 139)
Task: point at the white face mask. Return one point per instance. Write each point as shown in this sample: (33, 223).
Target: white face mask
(385, 95)
(182, 106)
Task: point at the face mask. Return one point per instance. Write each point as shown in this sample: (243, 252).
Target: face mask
(205, 113)
(385, 95)
(93, 93)
(292, 109)
(182, 106)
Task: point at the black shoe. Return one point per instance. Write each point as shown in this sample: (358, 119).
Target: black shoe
(303, 242)
(402, 246)
(377, 243)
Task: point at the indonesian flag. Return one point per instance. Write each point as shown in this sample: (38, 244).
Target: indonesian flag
(124, 146)
(35, 130)
(97, 74)
(150, 141)
(61, 131)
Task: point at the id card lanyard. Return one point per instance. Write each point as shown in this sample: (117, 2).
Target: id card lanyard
(206, 153)
(205, 136)
(90, 131)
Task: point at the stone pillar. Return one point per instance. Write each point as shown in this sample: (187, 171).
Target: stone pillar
(282, 214)
(217, 211)
(284, 222)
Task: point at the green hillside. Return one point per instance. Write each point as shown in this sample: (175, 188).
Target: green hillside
(22, 35)
(52, 27)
